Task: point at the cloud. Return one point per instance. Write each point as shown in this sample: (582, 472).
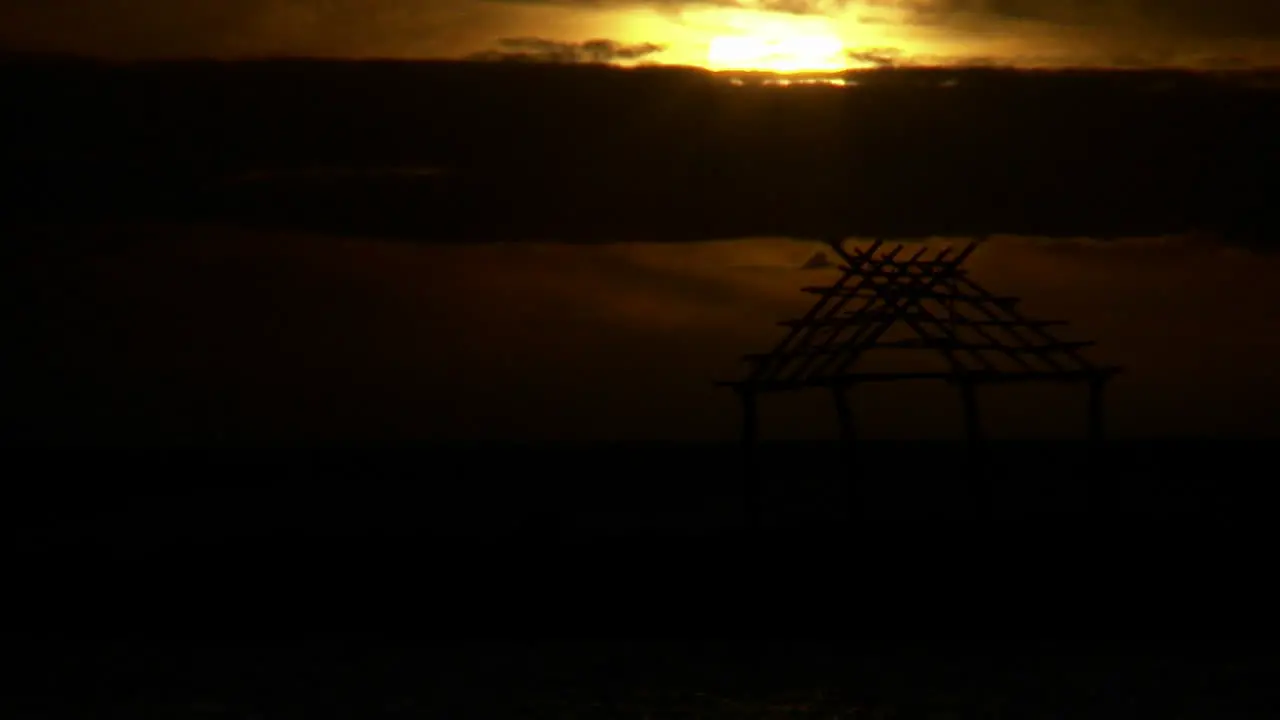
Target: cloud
(142, 28)
(1207, 33)
(877, 57)
(536, 49)
(1254, 19)
(1183, 18)
(793, 7)
(819, 261)
(1200, 33)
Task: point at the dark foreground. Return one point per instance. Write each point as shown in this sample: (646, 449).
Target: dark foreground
(643, 679)
(622, 489)
(601, 539)
(496, 582)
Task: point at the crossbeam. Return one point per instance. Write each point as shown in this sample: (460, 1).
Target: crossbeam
(971, 376)
(920, 264)
(881, 291)
(897, 303)
(940, 343)
(829, 305)
(920, 317)
(948, 343)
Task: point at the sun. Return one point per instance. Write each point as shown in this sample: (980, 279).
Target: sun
(777, 43)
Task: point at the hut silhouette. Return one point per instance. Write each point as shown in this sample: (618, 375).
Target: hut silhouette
(934, 306)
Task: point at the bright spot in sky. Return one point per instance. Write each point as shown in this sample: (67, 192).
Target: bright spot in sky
(776, 43)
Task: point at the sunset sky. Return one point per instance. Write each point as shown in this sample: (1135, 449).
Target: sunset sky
(772, 34)
(360, 338)
(547, 340)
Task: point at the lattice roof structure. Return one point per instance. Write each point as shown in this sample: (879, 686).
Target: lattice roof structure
(982, 337)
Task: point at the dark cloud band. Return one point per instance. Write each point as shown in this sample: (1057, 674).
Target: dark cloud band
(1254, 19)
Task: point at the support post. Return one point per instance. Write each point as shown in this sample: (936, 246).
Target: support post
(750, 474)
(1097, 391)
(972, 421)
(976, 445)
(848, 439)
(952, 289)
(1094, 446)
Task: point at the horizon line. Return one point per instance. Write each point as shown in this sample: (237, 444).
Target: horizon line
(906, 67)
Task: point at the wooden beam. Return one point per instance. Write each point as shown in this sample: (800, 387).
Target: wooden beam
(797, 353)
(1037, 328)
(948, 344)
(828, 305)
(969, 322)
(974, 376)
(852, 259)
(980, 487)
(750, 472)
(972, 419)
(844, 413)
(901, 290)
(828, 382)
(917, 344)
(921, 264)
(848, 451)
(1097, 389)
(899, 304)
(852, 318)
(804, 366)
(855, 317)
(943, 338)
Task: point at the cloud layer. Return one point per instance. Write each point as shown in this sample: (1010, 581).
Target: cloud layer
(370, 339)
(1246, 31)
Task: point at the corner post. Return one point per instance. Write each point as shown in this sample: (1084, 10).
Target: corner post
(1094, 454)
(1097, 392)
(750, 476)
(972, 421)
(976, 444)
(848, 439)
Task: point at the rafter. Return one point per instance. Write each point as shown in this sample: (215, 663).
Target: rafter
(895, 291)
(971, 376)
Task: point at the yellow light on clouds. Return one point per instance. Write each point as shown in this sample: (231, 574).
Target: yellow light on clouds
(776, 43)
(718, 38)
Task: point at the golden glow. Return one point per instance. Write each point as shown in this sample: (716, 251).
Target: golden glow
(732, 39)
(779, 43)
(788, 82)
(776, 81)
